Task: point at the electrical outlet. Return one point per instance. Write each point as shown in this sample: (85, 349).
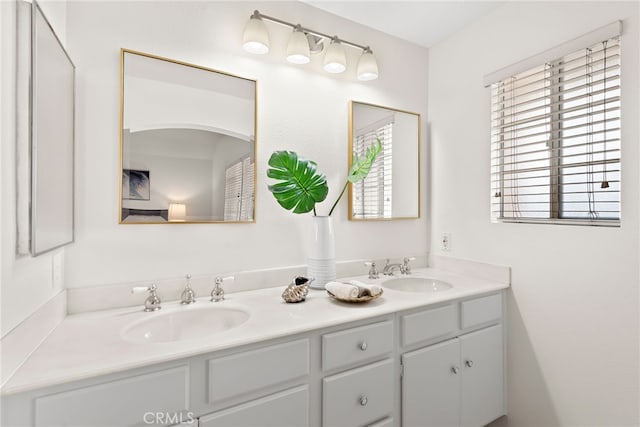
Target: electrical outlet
(445, 243)
(56, 270)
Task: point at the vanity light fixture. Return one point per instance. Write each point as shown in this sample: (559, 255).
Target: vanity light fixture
(303, 42)
(367, 66)
(298, 50)
(256, 38)
(177, 212)
(335, 60)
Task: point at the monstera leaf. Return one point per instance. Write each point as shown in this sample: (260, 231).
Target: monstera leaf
(301, 186)
(360, 168)
(361, 165)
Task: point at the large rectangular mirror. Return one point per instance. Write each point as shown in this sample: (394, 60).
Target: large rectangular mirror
(49, 179)
(391, 190)
(187, 142)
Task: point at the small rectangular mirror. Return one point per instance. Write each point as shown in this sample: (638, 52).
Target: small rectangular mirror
(187, 143)
(391, 190)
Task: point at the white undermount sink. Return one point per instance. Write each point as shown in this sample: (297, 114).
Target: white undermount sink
(184, 323)
(416, 284)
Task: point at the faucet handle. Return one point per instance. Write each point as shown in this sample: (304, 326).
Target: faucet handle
(405, 264)
(373, 271)
(188, 296)
(141, 289)
(217, 294)
(219, 279)
(152, 303)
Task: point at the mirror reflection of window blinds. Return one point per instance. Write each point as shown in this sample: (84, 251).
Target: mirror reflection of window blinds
(372, 196)
(247, 198)
(556, 140)
(239, 191)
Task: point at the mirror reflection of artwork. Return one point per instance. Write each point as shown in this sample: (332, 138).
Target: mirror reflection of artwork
(391, 190)
(135, 185)
(194, 129)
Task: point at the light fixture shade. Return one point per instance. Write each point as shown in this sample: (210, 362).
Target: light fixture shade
(367, 66)
(177, 212)
(298, 48)
(335, 60)
(255, 38)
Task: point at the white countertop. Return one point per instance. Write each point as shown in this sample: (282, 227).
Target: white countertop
(90, 344)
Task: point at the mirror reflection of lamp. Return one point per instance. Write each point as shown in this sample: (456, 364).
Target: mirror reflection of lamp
(177, 212)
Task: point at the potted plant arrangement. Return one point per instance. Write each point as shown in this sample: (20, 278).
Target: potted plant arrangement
(300, 187)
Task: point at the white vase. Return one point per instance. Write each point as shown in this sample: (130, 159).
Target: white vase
(321, 260)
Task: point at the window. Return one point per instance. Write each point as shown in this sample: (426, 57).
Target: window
(372, 196)
(239, 191)
(555, 140)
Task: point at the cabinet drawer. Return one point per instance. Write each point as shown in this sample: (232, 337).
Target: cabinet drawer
(387, 422)
(122, 402)
(241, 373)
(288, 408)
(481, 310)
(358, 397)
(356, 344)
(428, 324)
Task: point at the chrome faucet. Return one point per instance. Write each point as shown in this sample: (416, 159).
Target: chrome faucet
(152, 303)
(188, 296)
(217, 294)
(390, 268)
(403, 268)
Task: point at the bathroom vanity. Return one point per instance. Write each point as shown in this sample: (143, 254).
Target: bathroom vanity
(407, 358)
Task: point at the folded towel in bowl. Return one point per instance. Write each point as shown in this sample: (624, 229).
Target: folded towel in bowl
(343, 290)
(365, 289)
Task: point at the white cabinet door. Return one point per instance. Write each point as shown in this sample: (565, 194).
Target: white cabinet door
(158, 398)
(289, 408)
(482, 376)
(431, 387)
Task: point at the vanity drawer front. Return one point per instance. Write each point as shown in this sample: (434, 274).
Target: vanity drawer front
(481, 311)
(122, 402)
(287, 408)
(428, 324)
(358, 397)
(387, 422)
(356, 344)
(240, 373)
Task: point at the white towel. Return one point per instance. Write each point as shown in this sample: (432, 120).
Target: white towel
(365, 289)
(343, 290)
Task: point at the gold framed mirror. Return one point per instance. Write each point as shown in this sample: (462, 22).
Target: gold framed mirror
(187, 143)
(391, 190)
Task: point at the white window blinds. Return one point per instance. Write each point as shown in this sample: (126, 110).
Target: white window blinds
(372, 196)
(239, 191)
(555, 136)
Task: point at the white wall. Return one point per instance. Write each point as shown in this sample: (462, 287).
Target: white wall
(26, 282)
(573, 307)
(300, 108)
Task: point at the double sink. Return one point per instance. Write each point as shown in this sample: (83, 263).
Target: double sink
(192, 322)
